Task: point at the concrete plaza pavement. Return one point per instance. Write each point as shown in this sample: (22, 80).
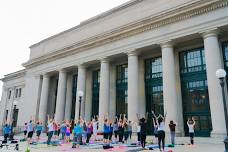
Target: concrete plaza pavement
(201, 145)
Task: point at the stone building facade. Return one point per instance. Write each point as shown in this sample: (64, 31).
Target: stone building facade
(144, 55)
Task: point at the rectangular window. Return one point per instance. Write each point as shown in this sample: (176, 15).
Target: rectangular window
(192, 61)
(16, 93)
(19, 93)
(6, 114)
(121, 89)
(153, 68)
(9, 94)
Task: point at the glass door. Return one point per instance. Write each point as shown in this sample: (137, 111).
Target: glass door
(194, 88)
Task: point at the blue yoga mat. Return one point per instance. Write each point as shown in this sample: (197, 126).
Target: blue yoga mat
(154, 146)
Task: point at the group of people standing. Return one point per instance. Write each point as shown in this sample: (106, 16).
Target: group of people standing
(82, 131)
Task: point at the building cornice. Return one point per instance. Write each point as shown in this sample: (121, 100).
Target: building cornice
(14, 75)
(177, 14)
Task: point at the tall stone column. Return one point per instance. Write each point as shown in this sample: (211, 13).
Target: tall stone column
(44, 98)
(81, 86)
(170, 85)
(133, 86)
(88, 96)
(214, 62)
(39, 83)
(104, 88)
(61, 96)
(68, 105)
(112, 98)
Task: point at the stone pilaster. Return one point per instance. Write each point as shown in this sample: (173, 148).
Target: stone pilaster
(68, 105)
(112, 100)
(133, 86)
(81, 86)
(44, 98)
(88, 96)
(214, 62)
(61, 96)
(170, 95)
(104, 88)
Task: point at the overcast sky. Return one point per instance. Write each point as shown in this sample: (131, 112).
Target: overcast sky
(25, 22)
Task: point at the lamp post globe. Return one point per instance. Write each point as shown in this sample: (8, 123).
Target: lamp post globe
(80, 95)
(221, 74)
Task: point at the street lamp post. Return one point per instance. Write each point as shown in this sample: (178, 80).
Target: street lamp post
(221, 74)
(80, 95)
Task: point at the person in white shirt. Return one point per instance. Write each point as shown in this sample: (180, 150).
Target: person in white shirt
(191, 124)
(50, 130)
(95, 125)
(161, 130)
(30, 131)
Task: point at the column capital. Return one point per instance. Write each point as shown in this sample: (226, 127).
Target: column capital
(167, 44)
(45, 75)
(81, 66)
(104, 60)
(62, 71)
(37, 76)
(210, 33)
(132, 53)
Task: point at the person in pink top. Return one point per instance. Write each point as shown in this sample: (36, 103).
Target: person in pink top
(55, 126)
(68, 133)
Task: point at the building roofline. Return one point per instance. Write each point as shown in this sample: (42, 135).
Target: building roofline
(13, 75)
(92, 19)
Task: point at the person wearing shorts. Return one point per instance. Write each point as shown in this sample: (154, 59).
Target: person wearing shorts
(39, 129)
(55, 130)
(25, 130)
(68, 133)
(30, 131)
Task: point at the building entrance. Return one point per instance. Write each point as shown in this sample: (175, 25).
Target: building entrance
(95, 93)
(194, 88)
(121, 89)
(74, 95)
(154, 89)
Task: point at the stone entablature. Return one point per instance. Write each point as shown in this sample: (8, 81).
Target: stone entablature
(177, 14)
(15, 75)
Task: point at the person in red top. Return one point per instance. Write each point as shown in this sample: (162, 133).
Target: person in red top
(55, 126)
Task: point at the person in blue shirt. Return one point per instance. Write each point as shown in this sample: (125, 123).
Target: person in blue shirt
(6, 131)
(78, 130)
(63, 129)
(106, 130)
(38, 128)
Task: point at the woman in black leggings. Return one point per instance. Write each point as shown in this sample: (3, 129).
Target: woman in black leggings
(143, 126)
(161, 130)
